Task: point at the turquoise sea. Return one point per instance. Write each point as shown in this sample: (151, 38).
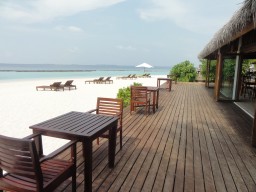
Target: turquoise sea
(11, 72)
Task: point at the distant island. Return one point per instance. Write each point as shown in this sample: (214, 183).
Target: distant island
(47, 70)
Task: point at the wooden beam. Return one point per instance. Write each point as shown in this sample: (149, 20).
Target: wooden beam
(249, 27)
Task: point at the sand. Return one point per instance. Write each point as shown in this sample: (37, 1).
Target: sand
(22, 106)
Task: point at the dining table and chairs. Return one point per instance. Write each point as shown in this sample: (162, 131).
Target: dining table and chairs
(85, 128)
(141, 97)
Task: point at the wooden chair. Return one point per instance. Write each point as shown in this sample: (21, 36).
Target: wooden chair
(28, 170)
(140, 97)
(110, 107)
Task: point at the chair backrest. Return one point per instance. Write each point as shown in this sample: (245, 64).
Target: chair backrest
(108, 78)
(139, 93)
(69, 82)
(56, 84)
(19, 157)
(110, 107)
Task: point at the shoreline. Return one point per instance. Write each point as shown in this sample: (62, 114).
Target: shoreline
(23, 106)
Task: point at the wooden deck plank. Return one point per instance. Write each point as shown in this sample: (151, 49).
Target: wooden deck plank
(133, 174)
(218, 179)
(191, 143)
(181, 126)
(189, 184)
(198, 168)
(223, 177)
(158, 147)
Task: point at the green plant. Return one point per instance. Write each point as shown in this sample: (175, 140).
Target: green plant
(125, 94)
(184, 71)
(212, 70)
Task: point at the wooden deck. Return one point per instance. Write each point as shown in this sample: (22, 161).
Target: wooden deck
(191, 143)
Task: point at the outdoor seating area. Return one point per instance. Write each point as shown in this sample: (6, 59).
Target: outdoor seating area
(196, 139)
(56, 86)
(248, 86)
(190, 142)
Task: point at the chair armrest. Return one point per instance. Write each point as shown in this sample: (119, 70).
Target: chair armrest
(60, 150)
(38, 141)
(32, 136)
(91, 111)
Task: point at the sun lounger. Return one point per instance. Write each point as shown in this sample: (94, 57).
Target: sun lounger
(95, 80)
(55, 86)
(134, 76)
(68, 85)
(107, 80)
(124, 77)
(145, 75)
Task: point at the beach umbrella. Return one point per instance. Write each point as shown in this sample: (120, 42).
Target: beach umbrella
(144, 65)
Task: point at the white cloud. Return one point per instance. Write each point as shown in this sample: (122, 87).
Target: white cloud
(164, 9)
(69, 28)
(129, 47)
(74, 29)
(193, 15)
(73, 50)
(33, 11)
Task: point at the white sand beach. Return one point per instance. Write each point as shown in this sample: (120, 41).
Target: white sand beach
(22, 106)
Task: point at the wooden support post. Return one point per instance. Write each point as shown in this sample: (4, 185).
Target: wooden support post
(207, 73)
(219, 67)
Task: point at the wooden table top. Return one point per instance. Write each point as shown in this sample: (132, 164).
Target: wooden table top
(77, 124)
(151, 88)
(163, 78)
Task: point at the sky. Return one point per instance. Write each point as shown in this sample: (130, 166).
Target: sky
(109, 32)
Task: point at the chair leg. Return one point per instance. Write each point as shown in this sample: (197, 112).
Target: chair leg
(131, 107)
(98, 141)
(121, 139)
(74, 182)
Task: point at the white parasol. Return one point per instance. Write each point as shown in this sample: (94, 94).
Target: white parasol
(145, 65)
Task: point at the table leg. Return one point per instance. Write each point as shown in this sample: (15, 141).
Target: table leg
(154, 101)
(170, 85)
(112, 145)
(157, 97)
(87, 153)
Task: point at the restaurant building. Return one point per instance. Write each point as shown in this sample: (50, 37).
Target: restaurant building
(233, 50)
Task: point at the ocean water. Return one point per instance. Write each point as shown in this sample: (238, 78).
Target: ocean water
(13, 72)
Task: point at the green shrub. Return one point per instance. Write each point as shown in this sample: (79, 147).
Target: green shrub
(125, 94)
(184, 71)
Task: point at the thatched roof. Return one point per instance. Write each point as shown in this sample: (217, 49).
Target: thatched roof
(245, 15)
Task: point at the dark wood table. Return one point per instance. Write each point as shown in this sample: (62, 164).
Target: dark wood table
(84, 127)
(169, 82)
(155, 91)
